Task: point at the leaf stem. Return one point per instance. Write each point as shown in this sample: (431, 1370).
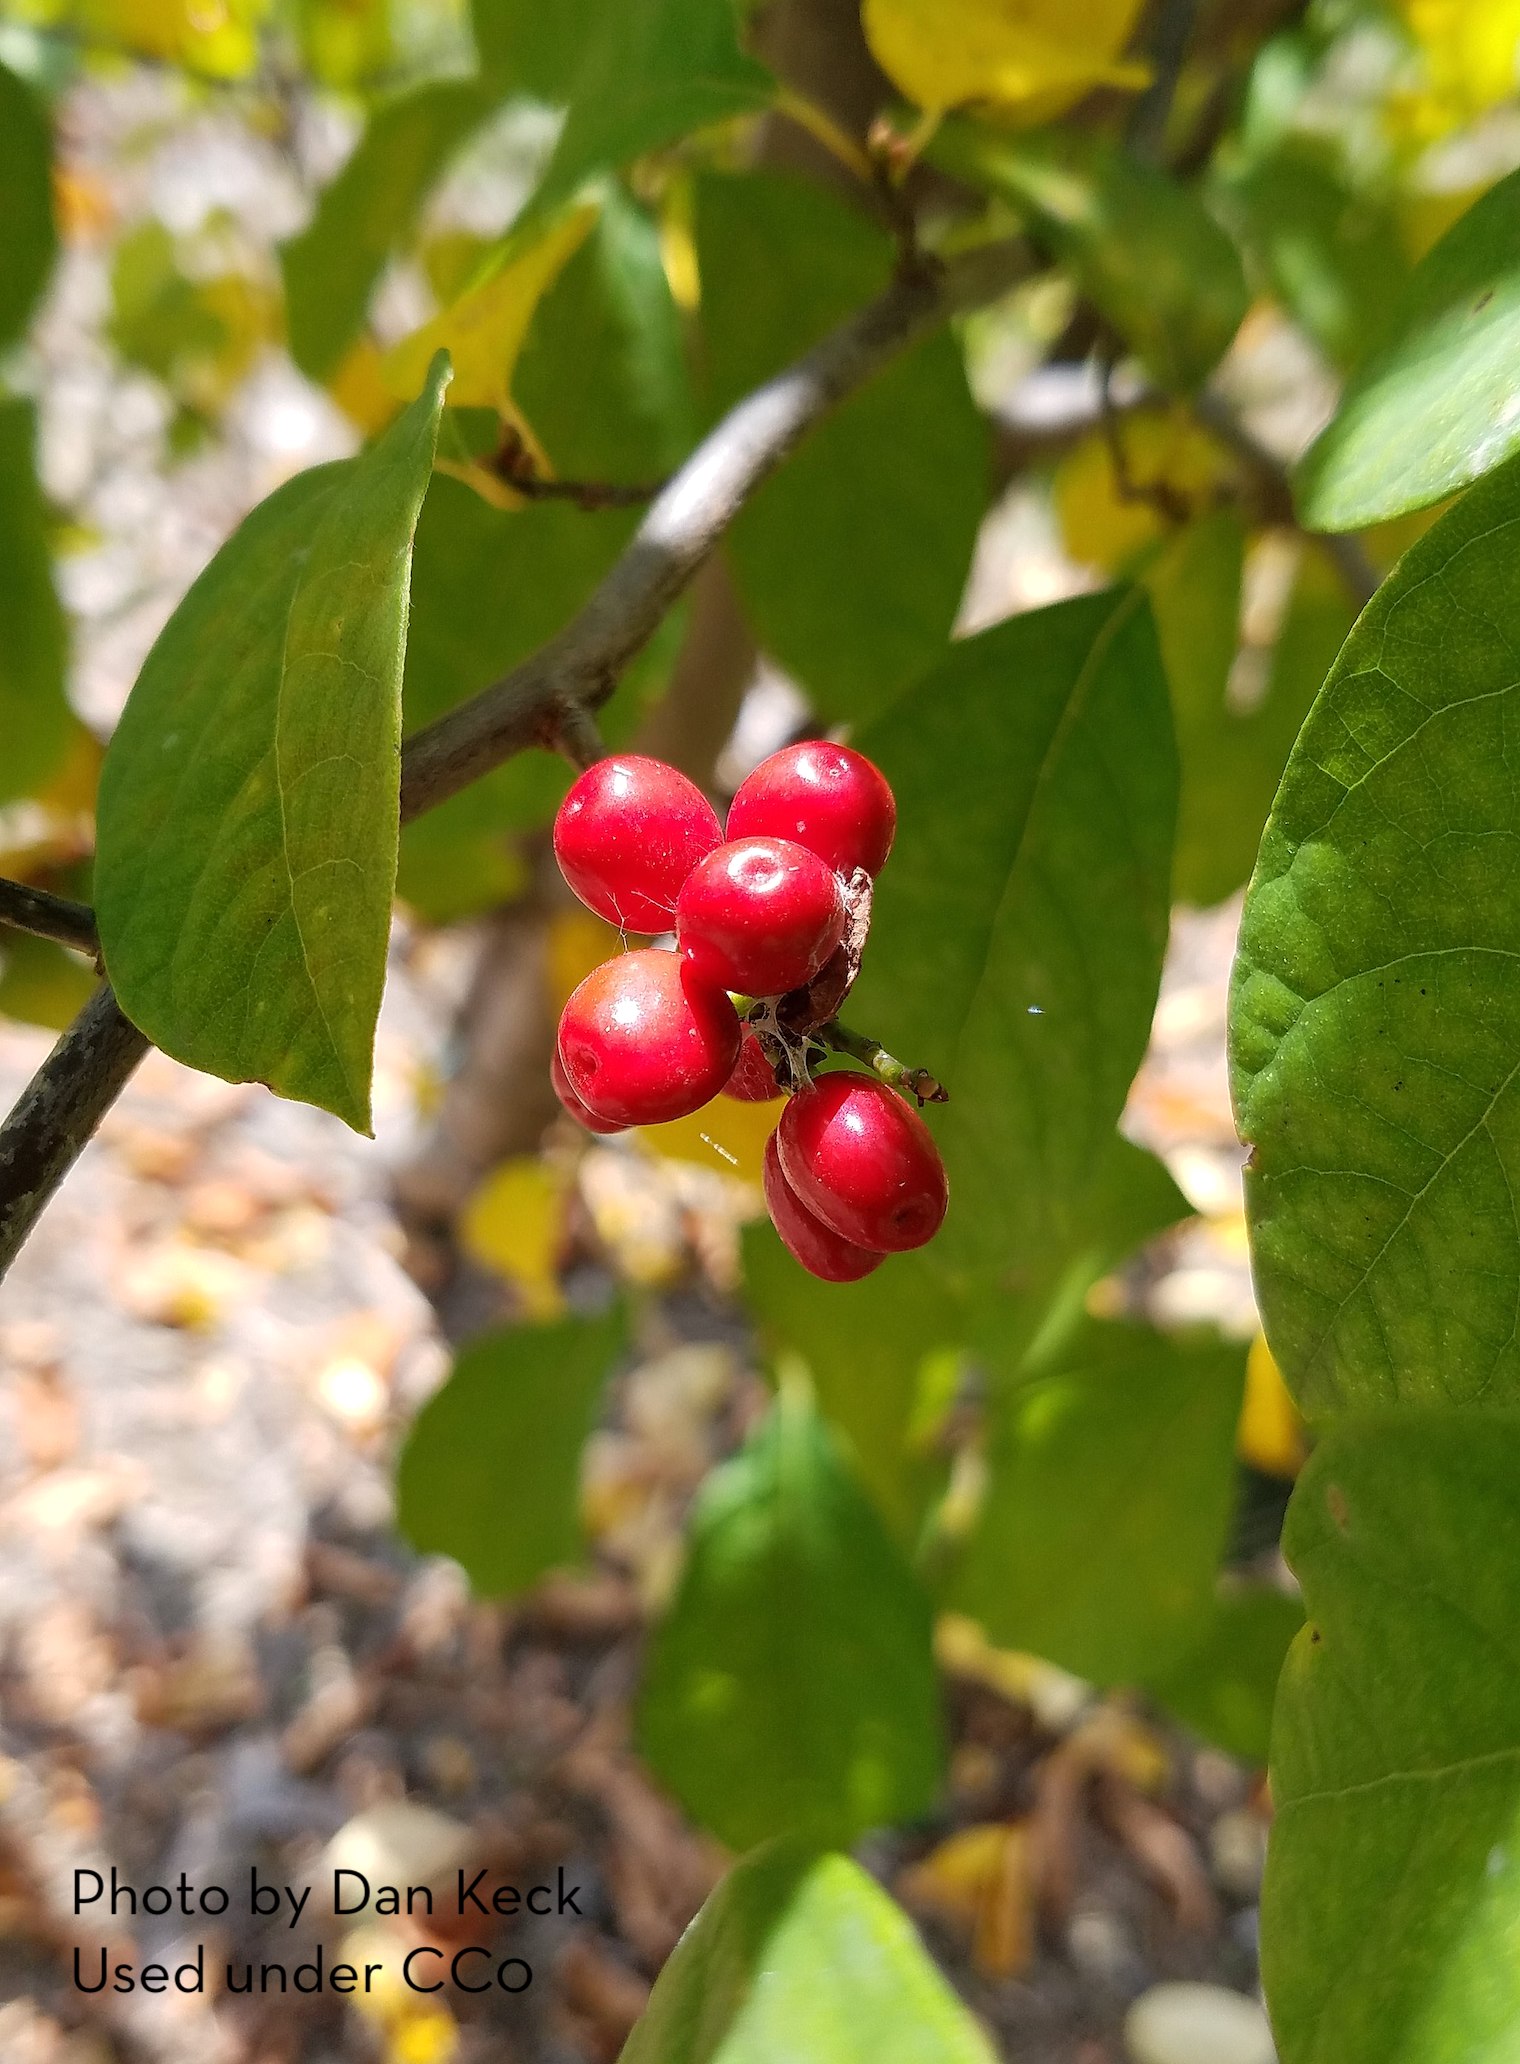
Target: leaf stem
(914, 1082)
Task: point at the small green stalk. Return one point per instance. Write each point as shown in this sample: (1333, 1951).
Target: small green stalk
(915, 1082)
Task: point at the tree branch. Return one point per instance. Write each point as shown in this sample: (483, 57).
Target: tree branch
(580, 667)
(60, 1109)
(49, 917)
(551, 698)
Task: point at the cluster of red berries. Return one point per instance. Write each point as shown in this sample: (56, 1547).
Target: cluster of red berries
(759, 912)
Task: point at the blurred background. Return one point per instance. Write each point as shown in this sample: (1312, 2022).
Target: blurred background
(216, 1649)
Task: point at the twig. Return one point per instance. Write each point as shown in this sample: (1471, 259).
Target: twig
(60, 1109)
(49, 917)
(516, 465)
(582, 664)
(1348, 554)
(550, 699)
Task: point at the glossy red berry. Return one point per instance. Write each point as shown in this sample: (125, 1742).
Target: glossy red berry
(582, 1113)
(642, 1040)
(754, 1079)
(825, 797)
(806, 1238)
(861, 1159)
(628, 834)
(760, 916)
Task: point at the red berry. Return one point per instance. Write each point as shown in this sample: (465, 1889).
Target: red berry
(825, 797)
(806, 1238)
(628, 834)
(863, 1161)
(642, 1040)
(582, 1113)
(760, 915)
(754, 1079)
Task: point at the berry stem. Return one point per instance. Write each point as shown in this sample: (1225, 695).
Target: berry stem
(917, 1082)
(577, 736)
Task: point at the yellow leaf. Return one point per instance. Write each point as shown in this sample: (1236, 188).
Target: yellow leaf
(1270, 1435)
(578, 942)
(1027, 60)
(359, 389)
(514, 1223)
(981, 1876)
(725, 1135)
(426, 2035)
(1469, 51)
(484, 329)
(216, 37)
(1103, 526)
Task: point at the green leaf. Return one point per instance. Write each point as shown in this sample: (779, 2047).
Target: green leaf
(1110, 1482)
(1331, 252)
(802, 1956)
(249, 801)
(1020, 923)
(27, 235)
(1375, 1015)
(1141, 246)
(1233, 747)
(526, 47)
(490, 1473)
(602, 375)
(1131, 1199)
(40, 983)
(652, 72)
(852, 561)
(602, 380)
(871, 1349)
(1435, 407)
(1391, 1907)
(791, 1686)
(34, 716)
(363, 215)
(1223, 1687)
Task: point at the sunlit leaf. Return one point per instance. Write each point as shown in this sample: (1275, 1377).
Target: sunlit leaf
(1392, 1897)
(1375, 1017)
(802, 1956)
(790, 1687)
(490, 1472)
(484, 329)
(248, 809)
(1030, 58)
(1435, 408)
(1017, 939)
